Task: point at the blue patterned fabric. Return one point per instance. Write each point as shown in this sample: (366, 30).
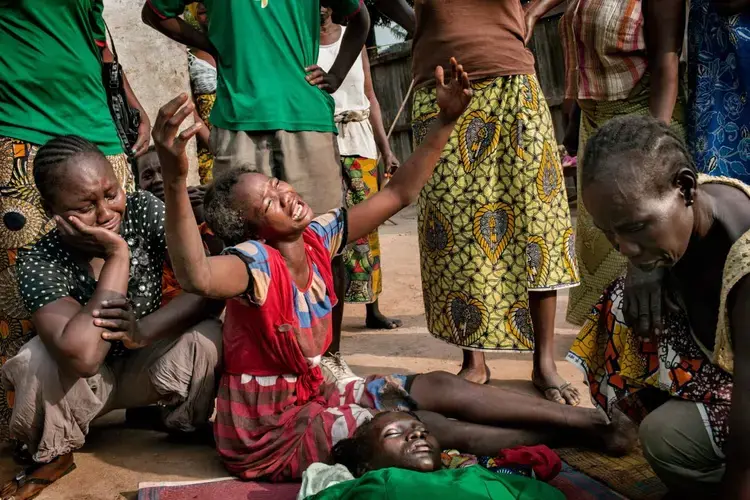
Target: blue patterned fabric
(719, 80)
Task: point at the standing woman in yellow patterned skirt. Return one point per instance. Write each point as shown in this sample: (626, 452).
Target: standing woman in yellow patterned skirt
(495, 234)
(47, 89)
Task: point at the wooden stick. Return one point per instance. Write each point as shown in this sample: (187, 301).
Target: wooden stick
(390, 131)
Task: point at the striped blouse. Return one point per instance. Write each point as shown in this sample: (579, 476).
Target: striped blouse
(605, 48)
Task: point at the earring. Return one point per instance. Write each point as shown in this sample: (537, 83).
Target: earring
(689, 199)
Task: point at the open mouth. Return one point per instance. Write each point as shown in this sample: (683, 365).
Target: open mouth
(299, 211)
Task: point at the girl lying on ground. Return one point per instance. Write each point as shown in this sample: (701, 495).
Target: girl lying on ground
(395, 456)
(688, 239)
(93, 286)
(276, 415)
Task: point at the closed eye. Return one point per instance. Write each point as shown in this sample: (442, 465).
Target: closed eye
(632, 228)
(269, 202)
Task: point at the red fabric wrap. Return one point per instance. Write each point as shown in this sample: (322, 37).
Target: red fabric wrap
(258, 340)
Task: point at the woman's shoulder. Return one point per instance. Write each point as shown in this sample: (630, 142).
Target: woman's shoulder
(144, 211)
(49, 249)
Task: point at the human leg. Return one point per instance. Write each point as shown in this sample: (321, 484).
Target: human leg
(51, 414)
(180, 374)
(453, 397)
(233, 149)
(362, 258)
(474, 367)
(379, 321)
(678, 447)
(542, 308)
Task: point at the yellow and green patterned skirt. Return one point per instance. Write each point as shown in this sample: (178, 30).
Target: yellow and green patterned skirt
(494, 221)
(22, 222)
(204, 104)
(362, 258)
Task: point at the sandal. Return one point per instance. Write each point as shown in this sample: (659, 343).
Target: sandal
(560, 388)
(25, 477)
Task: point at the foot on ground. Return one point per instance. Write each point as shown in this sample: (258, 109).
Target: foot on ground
(619, 435)
(555, 388)
(31, 481)
(377, 321)
(477, 374)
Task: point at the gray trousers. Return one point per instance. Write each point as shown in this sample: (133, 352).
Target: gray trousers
(53, 410)
(309, 161)
(678, 447)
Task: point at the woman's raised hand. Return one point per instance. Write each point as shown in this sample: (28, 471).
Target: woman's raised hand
(454, 97)
(170, 145)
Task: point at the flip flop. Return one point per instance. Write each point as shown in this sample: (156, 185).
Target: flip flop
(559, 388)
(24, 477)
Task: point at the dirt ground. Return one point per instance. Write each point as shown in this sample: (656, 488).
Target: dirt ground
(116, 459)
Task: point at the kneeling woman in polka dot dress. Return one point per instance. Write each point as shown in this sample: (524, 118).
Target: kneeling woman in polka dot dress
(93, 286)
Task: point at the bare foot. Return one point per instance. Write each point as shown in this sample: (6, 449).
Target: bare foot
(30, 482)
(619, 434)
(554, 387)
(477, 374)
(377, 321)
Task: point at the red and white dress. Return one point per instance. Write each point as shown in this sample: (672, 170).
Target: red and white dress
(275, 415)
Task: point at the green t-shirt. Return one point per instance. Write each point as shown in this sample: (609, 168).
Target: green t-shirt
(470, 483)
(51, 73)
(264, 47)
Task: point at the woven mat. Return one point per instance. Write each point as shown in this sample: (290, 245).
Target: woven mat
(631, 476)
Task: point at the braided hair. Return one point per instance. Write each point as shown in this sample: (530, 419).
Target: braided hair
(55, 154)
(227, 222)
(627, 137)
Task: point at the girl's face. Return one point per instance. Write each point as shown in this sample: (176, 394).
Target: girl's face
(402, 441)
(90, 191)
(272, 207)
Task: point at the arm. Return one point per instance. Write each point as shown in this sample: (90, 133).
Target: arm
(177, 29)
(376, 118)
(68, 330)
(351, 45)
(204, 134)
(169, 321)
(534, 12)
(400, 12)
(141, 146)
(664, 31)
(221, 277)
(737, 479)
(408, 180)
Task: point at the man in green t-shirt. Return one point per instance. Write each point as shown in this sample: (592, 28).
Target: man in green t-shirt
(273, 110)
(51, 84)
